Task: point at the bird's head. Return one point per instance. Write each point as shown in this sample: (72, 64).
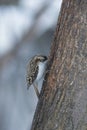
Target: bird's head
(40, 58)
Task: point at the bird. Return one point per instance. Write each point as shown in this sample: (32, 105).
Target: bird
(36, 68)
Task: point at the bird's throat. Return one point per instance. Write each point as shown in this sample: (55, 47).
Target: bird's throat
(41, 71)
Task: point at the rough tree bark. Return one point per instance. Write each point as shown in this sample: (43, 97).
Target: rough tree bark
(63, 99)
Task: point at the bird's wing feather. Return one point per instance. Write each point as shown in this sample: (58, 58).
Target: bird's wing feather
(31, 75)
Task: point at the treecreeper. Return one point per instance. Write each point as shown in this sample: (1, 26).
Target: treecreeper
(36, 68)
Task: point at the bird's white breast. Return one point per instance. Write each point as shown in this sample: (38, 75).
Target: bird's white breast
(41, 71)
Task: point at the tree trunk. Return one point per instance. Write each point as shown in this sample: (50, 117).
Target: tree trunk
(63, 99)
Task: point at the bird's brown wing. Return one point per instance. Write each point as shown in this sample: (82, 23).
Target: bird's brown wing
(31, 75)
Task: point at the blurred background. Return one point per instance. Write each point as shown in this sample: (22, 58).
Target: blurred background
(26, 28)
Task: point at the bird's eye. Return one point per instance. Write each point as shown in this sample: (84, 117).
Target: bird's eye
(44, 58)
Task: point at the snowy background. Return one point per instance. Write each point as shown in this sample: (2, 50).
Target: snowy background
(26, 28)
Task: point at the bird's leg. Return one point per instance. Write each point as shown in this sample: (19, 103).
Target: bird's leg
(36, 89)
(46, 73)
